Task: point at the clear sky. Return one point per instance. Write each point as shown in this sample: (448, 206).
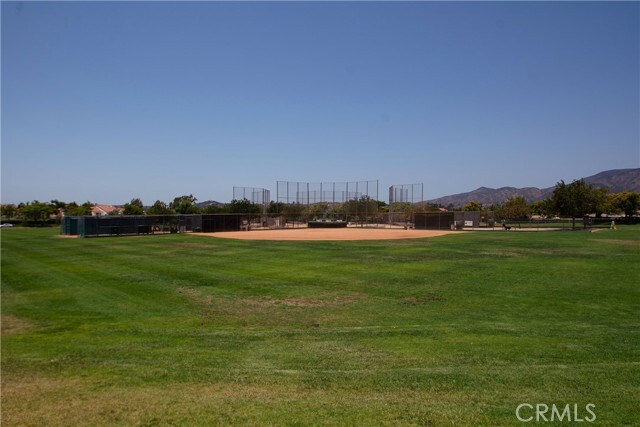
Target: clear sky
(110, 101)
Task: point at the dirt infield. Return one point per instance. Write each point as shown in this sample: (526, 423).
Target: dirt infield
(329, 234)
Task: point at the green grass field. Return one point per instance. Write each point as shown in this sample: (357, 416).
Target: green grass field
(193, 330)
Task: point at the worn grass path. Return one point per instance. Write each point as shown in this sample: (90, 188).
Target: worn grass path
(190, 330)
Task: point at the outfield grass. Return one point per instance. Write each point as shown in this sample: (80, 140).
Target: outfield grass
(191, 330)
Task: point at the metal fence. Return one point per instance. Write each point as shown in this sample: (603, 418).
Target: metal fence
(257, 196)
(403, 201)
(454, 220)
(587, 223)
(355, 202)
(485, 220)
(306, 193)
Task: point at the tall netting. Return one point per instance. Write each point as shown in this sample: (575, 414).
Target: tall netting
(355, 202)
(257, 196)
(403, 201)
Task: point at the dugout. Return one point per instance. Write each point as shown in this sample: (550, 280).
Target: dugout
(445, 220)
(213, 223)
(433, 220)
(131, 225)
(327, 224)
(69, 226)
(128, 225)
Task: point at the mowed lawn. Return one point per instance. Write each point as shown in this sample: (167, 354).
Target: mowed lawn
(193, 330)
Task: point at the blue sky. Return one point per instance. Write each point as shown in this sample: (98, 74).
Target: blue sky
(110, 101)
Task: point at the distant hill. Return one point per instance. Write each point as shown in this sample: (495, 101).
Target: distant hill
(616, 180)
(205, 205)
(489, 196)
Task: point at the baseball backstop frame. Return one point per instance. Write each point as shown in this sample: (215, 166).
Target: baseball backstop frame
(257, 196)
(403, 201)
(355, 202)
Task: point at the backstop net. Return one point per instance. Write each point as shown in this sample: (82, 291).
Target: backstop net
(404, 200)
(355, 202)
(257, 196)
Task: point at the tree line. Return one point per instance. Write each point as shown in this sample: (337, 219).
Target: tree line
(41, 213)
(36, 212)
(574, 200)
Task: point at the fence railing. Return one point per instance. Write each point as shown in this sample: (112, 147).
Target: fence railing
(564, 223)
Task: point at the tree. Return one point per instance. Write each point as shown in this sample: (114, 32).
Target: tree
(214, 209)
(601, 201)
(57, 204)
(8, 211)
(428, 207)
(574, 200)
(363, 209)
(275, 208)
(36, 211)
(627, 202)
(401, 211)
(473, 206)
(185, 205)
(58, 207)
(543, 208)
(516, 207)
(319, 209)
(160, 208)
(243, 206)
(130, 209)
(133, 208)
(293, 211)
(73, 209)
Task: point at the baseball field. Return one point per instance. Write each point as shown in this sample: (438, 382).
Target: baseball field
(457, 329)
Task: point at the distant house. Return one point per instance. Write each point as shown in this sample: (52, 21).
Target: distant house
(104, 210)
(57, 215)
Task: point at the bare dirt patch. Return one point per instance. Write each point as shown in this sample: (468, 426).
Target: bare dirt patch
(306, 302)
(190, 292)
(307, 234)
(14, 325)
(263, 302)
(195, 295)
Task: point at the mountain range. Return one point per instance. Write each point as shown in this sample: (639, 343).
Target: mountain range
(615, 180)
